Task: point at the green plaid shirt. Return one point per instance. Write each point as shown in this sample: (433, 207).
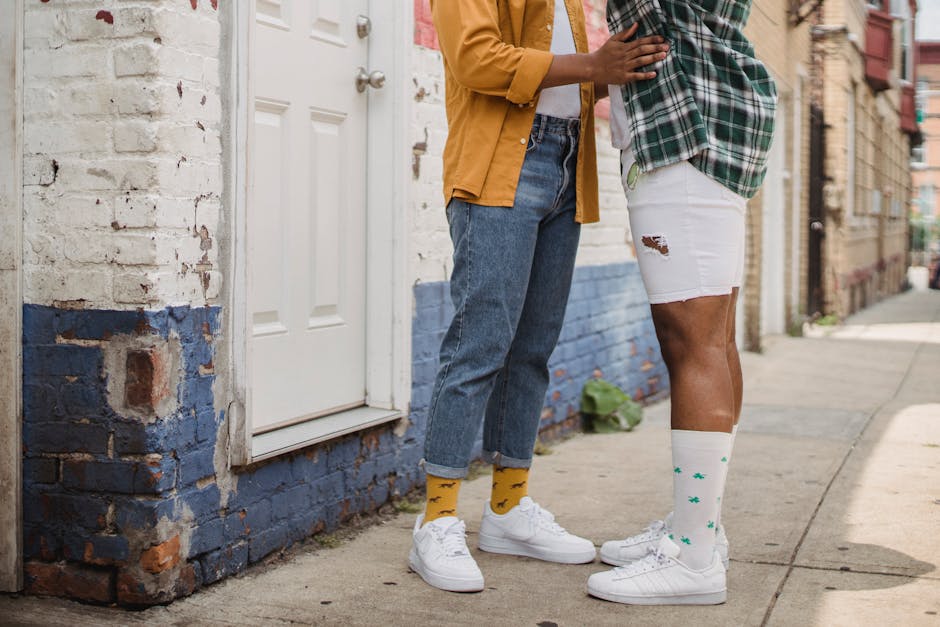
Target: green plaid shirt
(712, 102)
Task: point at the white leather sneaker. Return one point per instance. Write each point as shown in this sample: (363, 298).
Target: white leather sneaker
(440, 555)
(622, 552)
(529, 530)
(660, 579)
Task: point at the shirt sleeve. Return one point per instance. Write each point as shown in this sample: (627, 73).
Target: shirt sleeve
(478, 58)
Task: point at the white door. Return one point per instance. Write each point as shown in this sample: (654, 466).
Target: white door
(306, 210)
(774, 243)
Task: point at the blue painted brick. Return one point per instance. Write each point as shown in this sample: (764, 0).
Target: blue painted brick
(95, 549)
(41, 542)
(61, 359)
(224, 562)
(99, 475)
(83, 398)
(136, 438)
(207, 425)
(331, 488)
(203, 504)
(65, 437)
(258, 517)
(342, 453)
(307, 468)
(135, 513)
(196, 465)
(65, 510)
(40, 470)
(287, 503)
(266, 542)
(40, 402)
(207, 536)
(156, 477)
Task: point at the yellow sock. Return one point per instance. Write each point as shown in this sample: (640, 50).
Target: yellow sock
(509, 486)
(441, 499)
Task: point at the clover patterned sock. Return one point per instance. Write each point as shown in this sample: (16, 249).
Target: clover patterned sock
(700, 462)
(441, 499)
(734, 434)
(509, 486)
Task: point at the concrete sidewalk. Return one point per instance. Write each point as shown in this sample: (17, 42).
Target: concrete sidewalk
(832, 509)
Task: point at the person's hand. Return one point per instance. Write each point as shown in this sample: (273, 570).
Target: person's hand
(618, 61)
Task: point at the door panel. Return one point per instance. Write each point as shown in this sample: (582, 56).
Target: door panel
(306, 211)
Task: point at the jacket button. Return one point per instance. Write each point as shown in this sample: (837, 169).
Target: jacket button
(522, 141)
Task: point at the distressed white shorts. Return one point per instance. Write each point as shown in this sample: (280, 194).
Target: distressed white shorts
(688, 231)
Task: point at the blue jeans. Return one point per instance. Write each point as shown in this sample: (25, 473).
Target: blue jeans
(510, 283)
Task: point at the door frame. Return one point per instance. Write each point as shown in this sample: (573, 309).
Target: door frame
(11, 291)
(773, 232)
(388, 297)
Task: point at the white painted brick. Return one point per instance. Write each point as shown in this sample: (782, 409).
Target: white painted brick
(134, 210)
(127, 22)
(62, 283)
(137, 98)
(136, 60)
(68, 137)
(139, 136)
(84, 62)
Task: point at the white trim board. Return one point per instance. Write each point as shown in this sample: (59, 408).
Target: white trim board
(388, 313)
(11, 296)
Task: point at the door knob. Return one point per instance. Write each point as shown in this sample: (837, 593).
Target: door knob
(816, 225)
(375, 80)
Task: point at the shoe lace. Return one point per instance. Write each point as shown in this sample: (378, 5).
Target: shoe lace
(453, 539)
(654, 559)
(544, 519)
(653, 531)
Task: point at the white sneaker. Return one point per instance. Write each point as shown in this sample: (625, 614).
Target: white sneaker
(660, 579)
(622, 552)
(440, 555)
(529, 530)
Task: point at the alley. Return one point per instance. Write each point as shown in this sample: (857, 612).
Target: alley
(832, 510)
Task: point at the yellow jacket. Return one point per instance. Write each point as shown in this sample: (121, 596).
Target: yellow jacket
(496, 55)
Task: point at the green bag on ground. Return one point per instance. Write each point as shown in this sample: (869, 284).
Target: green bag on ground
(608, 408)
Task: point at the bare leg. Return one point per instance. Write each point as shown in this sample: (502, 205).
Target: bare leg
(693, 335)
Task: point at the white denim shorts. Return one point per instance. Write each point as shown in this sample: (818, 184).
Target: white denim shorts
(688, 231)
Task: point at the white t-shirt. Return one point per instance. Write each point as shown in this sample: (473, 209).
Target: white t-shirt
(620, 133)
(563, 101)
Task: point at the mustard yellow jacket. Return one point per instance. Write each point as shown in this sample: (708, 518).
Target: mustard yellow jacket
(496, 54)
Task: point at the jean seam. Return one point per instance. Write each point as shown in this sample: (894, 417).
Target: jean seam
(463, 312)
(503, 402)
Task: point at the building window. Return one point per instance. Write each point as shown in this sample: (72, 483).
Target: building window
(901, 10)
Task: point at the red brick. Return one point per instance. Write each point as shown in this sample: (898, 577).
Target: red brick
(161, 557)
(69, 580)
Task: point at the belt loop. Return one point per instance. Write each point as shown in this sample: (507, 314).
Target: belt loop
(542, 121)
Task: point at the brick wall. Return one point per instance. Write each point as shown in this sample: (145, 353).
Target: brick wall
(122, 152)
(129, 496)
(865, 248)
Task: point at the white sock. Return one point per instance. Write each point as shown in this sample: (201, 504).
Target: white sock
(734, 434)
(700, 466)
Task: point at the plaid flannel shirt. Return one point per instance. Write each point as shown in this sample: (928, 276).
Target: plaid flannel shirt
(712, 102)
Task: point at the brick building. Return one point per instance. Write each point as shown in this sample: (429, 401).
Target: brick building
(190, 192)
(925, 207)
(860, 187)
(773, 296)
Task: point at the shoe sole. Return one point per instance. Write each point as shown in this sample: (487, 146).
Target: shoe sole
(442, 582)
(504, 546)
(708, 598)
(614, 561)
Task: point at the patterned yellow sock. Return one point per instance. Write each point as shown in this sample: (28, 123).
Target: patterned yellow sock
(441, 499)
(509, 486)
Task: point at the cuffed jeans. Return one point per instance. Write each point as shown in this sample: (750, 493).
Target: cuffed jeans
(510, 283)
